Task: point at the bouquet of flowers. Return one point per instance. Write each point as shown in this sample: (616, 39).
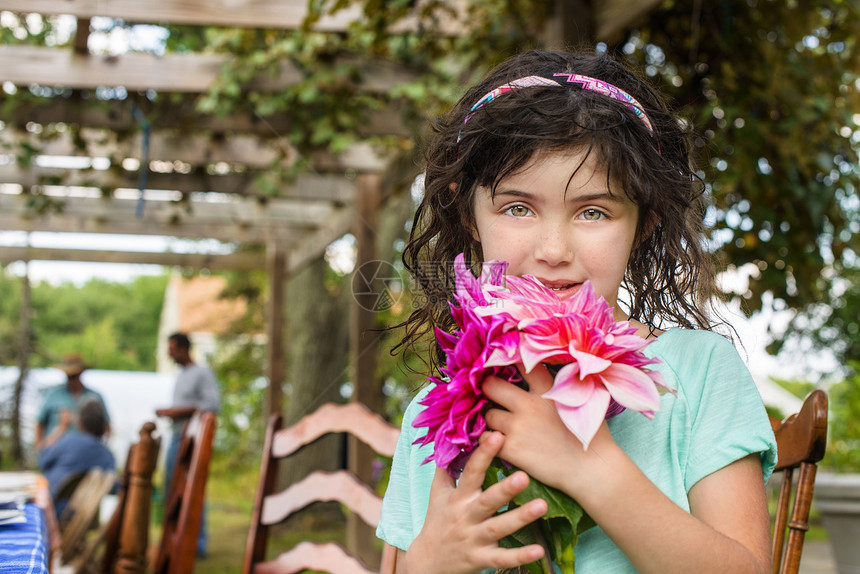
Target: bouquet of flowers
(599, 368)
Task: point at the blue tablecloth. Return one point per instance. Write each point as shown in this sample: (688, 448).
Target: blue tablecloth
(24, 547)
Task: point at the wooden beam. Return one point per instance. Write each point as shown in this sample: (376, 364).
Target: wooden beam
(283, 14)
(241, 221)
(173, 72)
(164, 145)
(116, 115)
(311, 246)
(306, 187)
(194, 149)
(242, 261)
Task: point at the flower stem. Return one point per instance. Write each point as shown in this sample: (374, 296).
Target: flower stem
(545, 562)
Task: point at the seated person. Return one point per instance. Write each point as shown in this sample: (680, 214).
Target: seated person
(76, 450)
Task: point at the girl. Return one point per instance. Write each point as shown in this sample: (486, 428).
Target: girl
(571, 168)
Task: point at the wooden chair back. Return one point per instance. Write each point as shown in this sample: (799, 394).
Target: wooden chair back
(272, 507)
(185, 497)
(84, 492)
(801, 439)
(121, 545)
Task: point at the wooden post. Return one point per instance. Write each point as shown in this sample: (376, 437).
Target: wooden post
(276, 265)
(571, 23)
(366, 293)
(134, 530)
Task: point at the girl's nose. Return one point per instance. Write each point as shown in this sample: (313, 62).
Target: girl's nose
(554, 245)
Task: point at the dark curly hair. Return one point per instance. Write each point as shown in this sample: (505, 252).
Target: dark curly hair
(670, 275)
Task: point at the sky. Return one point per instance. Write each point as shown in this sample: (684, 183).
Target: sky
(77, 272)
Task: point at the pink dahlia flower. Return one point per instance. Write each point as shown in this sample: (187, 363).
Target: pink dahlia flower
(503, 321)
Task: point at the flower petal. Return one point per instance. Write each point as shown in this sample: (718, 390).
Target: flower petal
(631, 388)
(568, 389)
(588, 363)
(584, 421)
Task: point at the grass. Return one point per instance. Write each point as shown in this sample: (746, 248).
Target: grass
(230, 499)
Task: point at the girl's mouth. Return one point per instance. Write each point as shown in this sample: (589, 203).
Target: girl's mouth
(561, 288)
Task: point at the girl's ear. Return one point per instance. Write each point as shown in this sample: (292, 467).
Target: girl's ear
(651, 222)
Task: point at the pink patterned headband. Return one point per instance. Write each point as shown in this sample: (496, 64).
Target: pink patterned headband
(585, 82)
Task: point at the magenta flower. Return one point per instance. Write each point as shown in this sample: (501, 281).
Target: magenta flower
(454, 413)
(504, 321)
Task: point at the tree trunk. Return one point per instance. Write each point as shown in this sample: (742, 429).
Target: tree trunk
(23, 361)
(318, 343)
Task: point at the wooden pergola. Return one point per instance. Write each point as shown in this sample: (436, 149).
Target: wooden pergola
(203, 186)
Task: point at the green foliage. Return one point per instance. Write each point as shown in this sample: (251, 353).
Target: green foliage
(240, 369)
(773, 90)
(843, 438)
(113, 325)
(835, 324)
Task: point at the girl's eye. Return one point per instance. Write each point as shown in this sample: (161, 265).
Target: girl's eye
(519, 211)
(592, 215)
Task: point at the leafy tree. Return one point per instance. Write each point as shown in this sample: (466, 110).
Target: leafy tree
(113, 325)
(773, 90)
(843, 440)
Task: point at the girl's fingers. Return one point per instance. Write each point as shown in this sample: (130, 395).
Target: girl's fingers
(504, 491)
(442, 481)
(502, 392)
(473, 473)
(511, 521)
(513, 557)
(540, 380)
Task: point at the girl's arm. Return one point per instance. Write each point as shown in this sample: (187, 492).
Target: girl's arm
(460, 532)
(727, 529)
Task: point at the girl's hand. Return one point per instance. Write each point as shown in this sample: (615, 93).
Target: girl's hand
(461, 531)
(536, 439)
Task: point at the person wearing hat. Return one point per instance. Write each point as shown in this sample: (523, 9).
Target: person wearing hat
(58, 411)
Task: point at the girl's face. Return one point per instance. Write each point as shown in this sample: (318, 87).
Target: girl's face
(563, 231)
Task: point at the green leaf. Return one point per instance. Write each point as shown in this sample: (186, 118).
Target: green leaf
(560, 527)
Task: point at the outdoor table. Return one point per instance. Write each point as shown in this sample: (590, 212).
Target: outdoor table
(27, 541)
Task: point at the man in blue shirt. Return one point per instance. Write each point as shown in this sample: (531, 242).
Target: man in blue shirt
(62, 401)
(77, 450)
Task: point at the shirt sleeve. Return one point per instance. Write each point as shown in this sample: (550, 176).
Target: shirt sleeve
(728, 418)
(48, 456)
(407, 496)
(209, 396)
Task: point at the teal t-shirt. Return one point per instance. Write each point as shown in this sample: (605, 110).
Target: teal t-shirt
(716, 418)
(58, 398)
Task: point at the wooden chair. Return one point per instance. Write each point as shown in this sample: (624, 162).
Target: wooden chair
(271, 507)
(185, 497)
(120, 546)
(84, 493)
(800, 439)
